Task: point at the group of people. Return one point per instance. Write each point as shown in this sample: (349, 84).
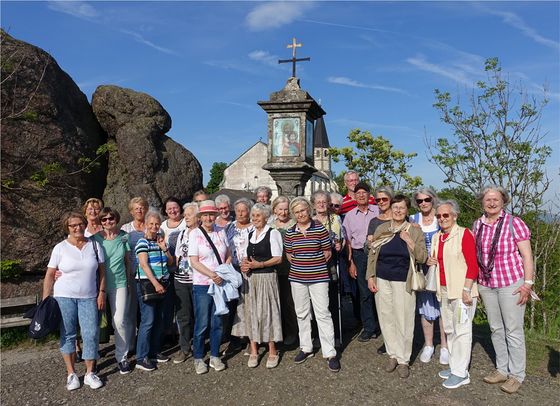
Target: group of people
(265, 272)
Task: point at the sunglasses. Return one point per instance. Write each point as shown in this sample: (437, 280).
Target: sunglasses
(105, 219)
(382, 199)
(427, 200)
(335, 206)
(444, 215)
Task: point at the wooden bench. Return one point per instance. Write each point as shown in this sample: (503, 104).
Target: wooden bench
(13, 309)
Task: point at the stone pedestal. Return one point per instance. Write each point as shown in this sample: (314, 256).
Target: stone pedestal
(291, 116)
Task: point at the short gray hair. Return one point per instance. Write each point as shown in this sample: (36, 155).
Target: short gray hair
(336, 196)
(191, 205)
(222, 199)
(488, 188)
(451, 203)
(153, 213)
(244, 201)
(351, 172)
(320, 193)
(278, 200)
(262, 208)
(265, 189)
(425, 191)
(386, 189)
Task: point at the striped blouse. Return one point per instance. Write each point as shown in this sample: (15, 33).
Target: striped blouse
(308, 260)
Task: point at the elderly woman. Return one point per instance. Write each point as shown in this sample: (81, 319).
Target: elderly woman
(174, 222)
(396, 249)
(91, 210)
(505, 261)
(336, 202)
(282, 221)
(258, 313)
(118, 275)
(204, 243)
(308, 248)
(223, 203)
(425, 200)
(184, 283)
(137, 207)
(321, 202)
(237, 234)
(153, 260)
(263, 194)
(453, 253)
(80, 263)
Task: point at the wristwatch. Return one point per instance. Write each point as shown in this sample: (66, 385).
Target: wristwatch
(530, 282)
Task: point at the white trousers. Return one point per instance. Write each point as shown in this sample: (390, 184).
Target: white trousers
(396, 310)
(118, 303)
(317, 294)
(459, 335)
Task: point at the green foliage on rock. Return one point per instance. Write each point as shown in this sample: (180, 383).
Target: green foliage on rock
(216, 176)
(377, 161)
(10, 269)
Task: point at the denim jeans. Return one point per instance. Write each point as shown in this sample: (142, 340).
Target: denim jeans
(84, 312)
(204, 316)
(368, 313)
(150, 329)
(183, 314)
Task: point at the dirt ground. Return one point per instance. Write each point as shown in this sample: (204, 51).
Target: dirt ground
(36, 376)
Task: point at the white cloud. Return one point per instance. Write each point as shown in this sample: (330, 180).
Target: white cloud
(275, 14)
(517, 22)
(341, 80)
(144, 41)
(457, 74)
(78, 9)
(264, 57)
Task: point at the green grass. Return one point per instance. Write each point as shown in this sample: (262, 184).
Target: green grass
(18, 337)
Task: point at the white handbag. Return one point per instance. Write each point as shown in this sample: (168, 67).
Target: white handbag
(431, 281)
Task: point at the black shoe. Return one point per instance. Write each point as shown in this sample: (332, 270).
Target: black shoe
(160, 358)
(334, 364)
(302, 357)
(145, 365)
(124, 367)
(365, 336)
(381, 350)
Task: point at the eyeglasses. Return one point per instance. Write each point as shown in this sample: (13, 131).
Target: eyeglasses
(105, 219)
(76, 225)
(382, 199)
(444, 215)
(427, 200)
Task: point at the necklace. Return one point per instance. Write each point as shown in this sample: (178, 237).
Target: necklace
(444, 237)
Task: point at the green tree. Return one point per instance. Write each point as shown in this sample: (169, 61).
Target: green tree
(339, 180)
(497, 139)
(377, 162)
(216, 176)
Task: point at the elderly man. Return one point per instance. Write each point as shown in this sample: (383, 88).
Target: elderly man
(351, 179)
(355, 225)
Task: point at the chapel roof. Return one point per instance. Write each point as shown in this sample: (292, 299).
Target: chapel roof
(320, 137)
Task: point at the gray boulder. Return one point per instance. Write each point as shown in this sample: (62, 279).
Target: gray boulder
(48, 130)
(143, 161)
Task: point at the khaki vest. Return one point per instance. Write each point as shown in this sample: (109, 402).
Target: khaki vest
(455, 266)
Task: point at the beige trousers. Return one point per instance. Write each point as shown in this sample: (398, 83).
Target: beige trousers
(396, 309)
(459, 335)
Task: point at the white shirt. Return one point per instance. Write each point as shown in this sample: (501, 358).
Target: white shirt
(168, 230)
(276, 244)
(79, 269)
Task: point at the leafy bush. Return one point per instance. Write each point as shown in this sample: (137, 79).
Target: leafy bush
(10, 269)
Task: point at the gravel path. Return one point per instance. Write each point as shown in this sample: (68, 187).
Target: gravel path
(36, 376)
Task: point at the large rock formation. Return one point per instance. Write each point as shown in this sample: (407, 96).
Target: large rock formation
(47, 130)
(143, 161)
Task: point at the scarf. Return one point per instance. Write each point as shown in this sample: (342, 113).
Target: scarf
(387, 236)
(489, 266)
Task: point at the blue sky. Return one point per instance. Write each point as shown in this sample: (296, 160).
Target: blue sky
(374, 65)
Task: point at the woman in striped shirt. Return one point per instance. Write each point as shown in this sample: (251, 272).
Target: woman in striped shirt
(308, 248)
(505, 282)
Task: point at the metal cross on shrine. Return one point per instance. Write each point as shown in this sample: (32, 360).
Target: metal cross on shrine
(294, 45)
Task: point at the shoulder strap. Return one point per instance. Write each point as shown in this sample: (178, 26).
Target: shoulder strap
(94, 243)
(511, 230)
(211, 244)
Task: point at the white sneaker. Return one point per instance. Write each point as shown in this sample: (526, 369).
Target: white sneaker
(200, 366)
(217, 364)
(72, 382)
(444, 356)
(427, 354)
(92, 381)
